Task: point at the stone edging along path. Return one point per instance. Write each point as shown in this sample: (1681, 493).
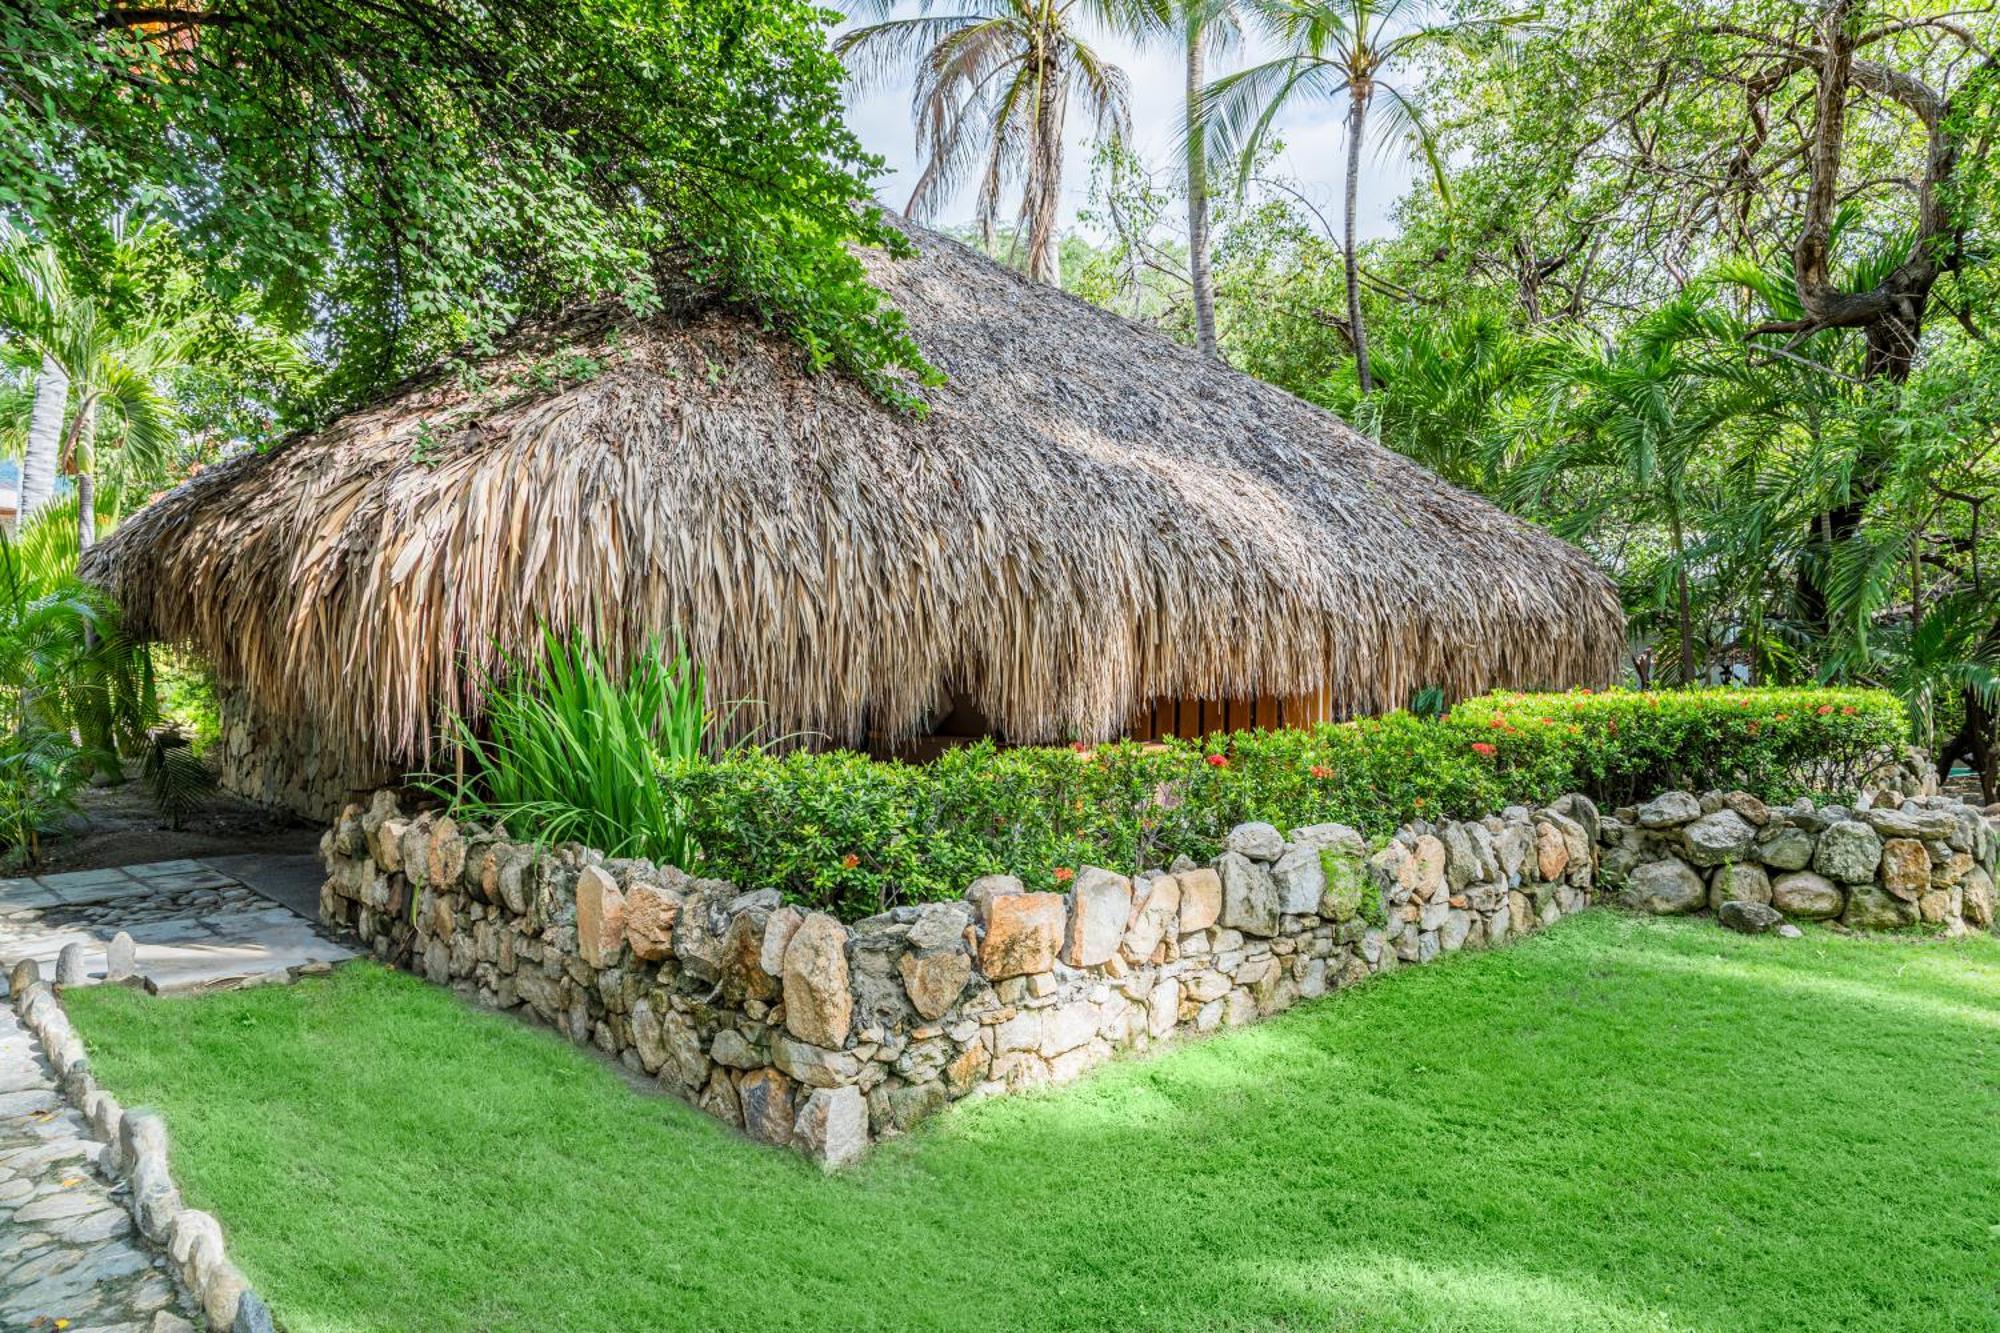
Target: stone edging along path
(134, 1160)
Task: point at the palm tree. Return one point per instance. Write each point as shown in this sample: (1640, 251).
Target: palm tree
(1636, 420)
(993, 85)
(33, 287)
(101, 384)
(1351, 48)
(1204, 26)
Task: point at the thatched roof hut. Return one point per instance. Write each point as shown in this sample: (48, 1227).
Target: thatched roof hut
(1090, 517)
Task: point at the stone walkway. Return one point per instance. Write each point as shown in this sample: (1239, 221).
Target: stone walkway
(70, 1257)
(197, 926)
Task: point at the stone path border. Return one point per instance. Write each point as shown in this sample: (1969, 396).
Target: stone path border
(70, 1256)
(133, 1160)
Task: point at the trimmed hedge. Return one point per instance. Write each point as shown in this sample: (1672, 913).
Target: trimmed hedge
(847, 834)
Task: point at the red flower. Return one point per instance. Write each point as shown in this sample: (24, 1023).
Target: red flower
(1847, 711)
(1780, 717)
(1064, 874)
(1481, 747)
(1497, 722)
(850, 861)
(1079, 747)
(1320, 771)
(1612, 726)
(1218, 761)
(1824, 709)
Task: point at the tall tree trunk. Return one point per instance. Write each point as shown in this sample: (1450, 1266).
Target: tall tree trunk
(1357, 122)
(45, 428)
(1197, 187)
(82, 460)
(1045, 177)
(1685, 605)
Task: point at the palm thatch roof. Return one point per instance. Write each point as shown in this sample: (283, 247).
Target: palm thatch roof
(1090, 516)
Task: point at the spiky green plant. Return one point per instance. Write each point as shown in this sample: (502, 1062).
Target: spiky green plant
(570, 750)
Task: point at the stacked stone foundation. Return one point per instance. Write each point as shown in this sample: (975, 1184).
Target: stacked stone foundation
(823, 1036)
(1886, 862)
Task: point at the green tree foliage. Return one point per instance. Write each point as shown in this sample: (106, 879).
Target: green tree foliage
(413, 175)
(1343, 50)
(1712, 292)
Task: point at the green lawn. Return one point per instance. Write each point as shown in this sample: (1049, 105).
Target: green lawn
(1621, 1124)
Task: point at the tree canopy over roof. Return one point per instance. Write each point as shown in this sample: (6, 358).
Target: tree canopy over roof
(408, 176)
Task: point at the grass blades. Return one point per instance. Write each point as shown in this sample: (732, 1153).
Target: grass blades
(1638, 1124)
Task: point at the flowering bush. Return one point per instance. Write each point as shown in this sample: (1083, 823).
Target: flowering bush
(848, 834)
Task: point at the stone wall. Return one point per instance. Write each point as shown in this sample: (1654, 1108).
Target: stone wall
(810, 1033)
(1885, 862)
(283, 764)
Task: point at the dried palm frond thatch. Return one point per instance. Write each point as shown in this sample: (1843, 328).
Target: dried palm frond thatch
(1090, 517)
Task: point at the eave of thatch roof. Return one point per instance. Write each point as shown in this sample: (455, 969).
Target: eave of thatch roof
(1089, 517)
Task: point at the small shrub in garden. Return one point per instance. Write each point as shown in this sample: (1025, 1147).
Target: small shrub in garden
(854, 836)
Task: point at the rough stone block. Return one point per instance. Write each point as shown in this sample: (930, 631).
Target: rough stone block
(1300, 879)
(1807, 895)
(819, 1006)
(650, 913)
(1249, 897)
(1906, 868)
(832, 1127)
(1156, 905)
(1258, 841)
(600, 917)
(1664, 887)
(1717, 838)
(1100, 908)
(1743, 882)
(1201, 898)
(1848, 853)
(1023, 933)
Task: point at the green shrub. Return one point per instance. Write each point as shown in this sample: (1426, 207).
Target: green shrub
(1626, 745)
(852, 835)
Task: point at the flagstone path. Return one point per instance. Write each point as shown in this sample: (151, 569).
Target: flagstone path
(70, 1257)
(198, 924)
(71, 1260)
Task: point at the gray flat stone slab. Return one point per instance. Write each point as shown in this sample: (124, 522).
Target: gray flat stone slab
(88, 886)
(201, 877)
(148, 869)
(292, 880)
(20, 895)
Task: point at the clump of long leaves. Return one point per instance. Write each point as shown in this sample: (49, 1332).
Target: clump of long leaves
(73, 689)
(568, 749)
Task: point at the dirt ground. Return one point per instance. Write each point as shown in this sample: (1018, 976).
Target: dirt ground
(118, 826)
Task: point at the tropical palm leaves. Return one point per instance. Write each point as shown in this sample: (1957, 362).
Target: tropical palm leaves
(991, 100)
(112, 395)
(1352, 50)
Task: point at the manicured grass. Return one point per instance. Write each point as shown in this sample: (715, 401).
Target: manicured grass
(1623, 1124)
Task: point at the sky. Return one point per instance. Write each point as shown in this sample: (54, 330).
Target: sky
(1313, 133)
